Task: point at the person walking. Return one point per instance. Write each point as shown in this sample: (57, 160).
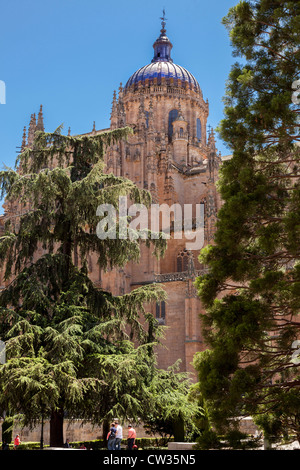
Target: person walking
(111, 437)
(67, 444)
(17, 442)
(131, 437)
(119, 435)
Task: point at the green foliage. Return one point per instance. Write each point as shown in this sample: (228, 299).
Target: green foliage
(27, 446)
(252, 288)
(174, 408)
(69, 344)
(208, 440)
(270, 425)
(232, 440)
(96, 444)
(283, 420)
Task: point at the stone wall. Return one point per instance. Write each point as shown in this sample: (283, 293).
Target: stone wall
(247, 426)
(73, 430)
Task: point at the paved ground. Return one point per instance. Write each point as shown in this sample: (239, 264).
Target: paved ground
(292, 446)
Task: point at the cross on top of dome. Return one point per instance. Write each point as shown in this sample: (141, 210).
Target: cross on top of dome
(163, 22)
(162, 46)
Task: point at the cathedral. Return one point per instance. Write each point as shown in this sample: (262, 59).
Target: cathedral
(173, 155)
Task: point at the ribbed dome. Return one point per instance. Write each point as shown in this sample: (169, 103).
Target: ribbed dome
(162, 69)
(162, 66)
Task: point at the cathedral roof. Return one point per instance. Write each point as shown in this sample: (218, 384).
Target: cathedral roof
(162, 66)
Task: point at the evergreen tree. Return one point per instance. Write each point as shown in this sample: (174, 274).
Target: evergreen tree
(174, 408)
(252, 289)
(72, 349)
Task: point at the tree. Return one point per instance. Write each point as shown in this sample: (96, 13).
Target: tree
(62, 334)
(174, 409)
(252, 291)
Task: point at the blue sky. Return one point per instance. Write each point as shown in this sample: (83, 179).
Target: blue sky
(70, 55)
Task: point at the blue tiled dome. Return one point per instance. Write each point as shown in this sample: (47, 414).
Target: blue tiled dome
(162, 66)
(162, 69)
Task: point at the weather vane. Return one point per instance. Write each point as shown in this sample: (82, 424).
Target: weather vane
(163, 19)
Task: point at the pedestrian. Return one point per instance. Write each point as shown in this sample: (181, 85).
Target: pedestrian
(119, 435)
(82, 447)
(131, 437)
(111, 437)
(17, 442)
(67, 444)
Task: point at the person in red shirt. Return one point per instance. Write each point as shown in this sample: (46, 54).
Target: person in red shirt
(131, 437)
(17, 441)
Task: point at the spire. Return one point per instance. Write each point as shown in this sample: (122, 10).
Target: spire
(191, 265)
(141, 113)
(180, 115)
(114, 112)
(213, 158)
(114, 105)
(120, 108)
(31, 129)
(40, 121)
(162, 46)
(23, 146)
(150, 115)
(211, 138)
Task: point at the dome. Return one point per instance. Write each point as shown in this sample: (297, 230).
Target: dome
(162, 66)
(161, 69)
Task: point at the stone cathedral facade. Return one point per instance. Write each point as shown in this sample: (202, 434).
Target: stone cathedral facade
(172, 155)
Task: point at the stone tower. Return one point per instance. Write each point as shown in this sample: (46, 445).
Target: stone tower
(170, 155)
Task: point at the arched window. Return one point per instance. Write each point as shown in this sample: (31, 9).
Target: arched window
(179, 264)
(172, 116)
(147, 119)
(183, 260)
(181, 132)
(199, 130)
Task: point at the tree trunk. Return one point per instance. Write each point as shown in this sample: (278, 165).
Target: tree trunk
(42, 434)
(178, 430)
(7, 429)
(105, 430)
(56, 428)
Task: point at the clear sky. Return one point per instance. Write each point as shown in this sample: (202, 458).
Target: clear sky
(70, 55)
